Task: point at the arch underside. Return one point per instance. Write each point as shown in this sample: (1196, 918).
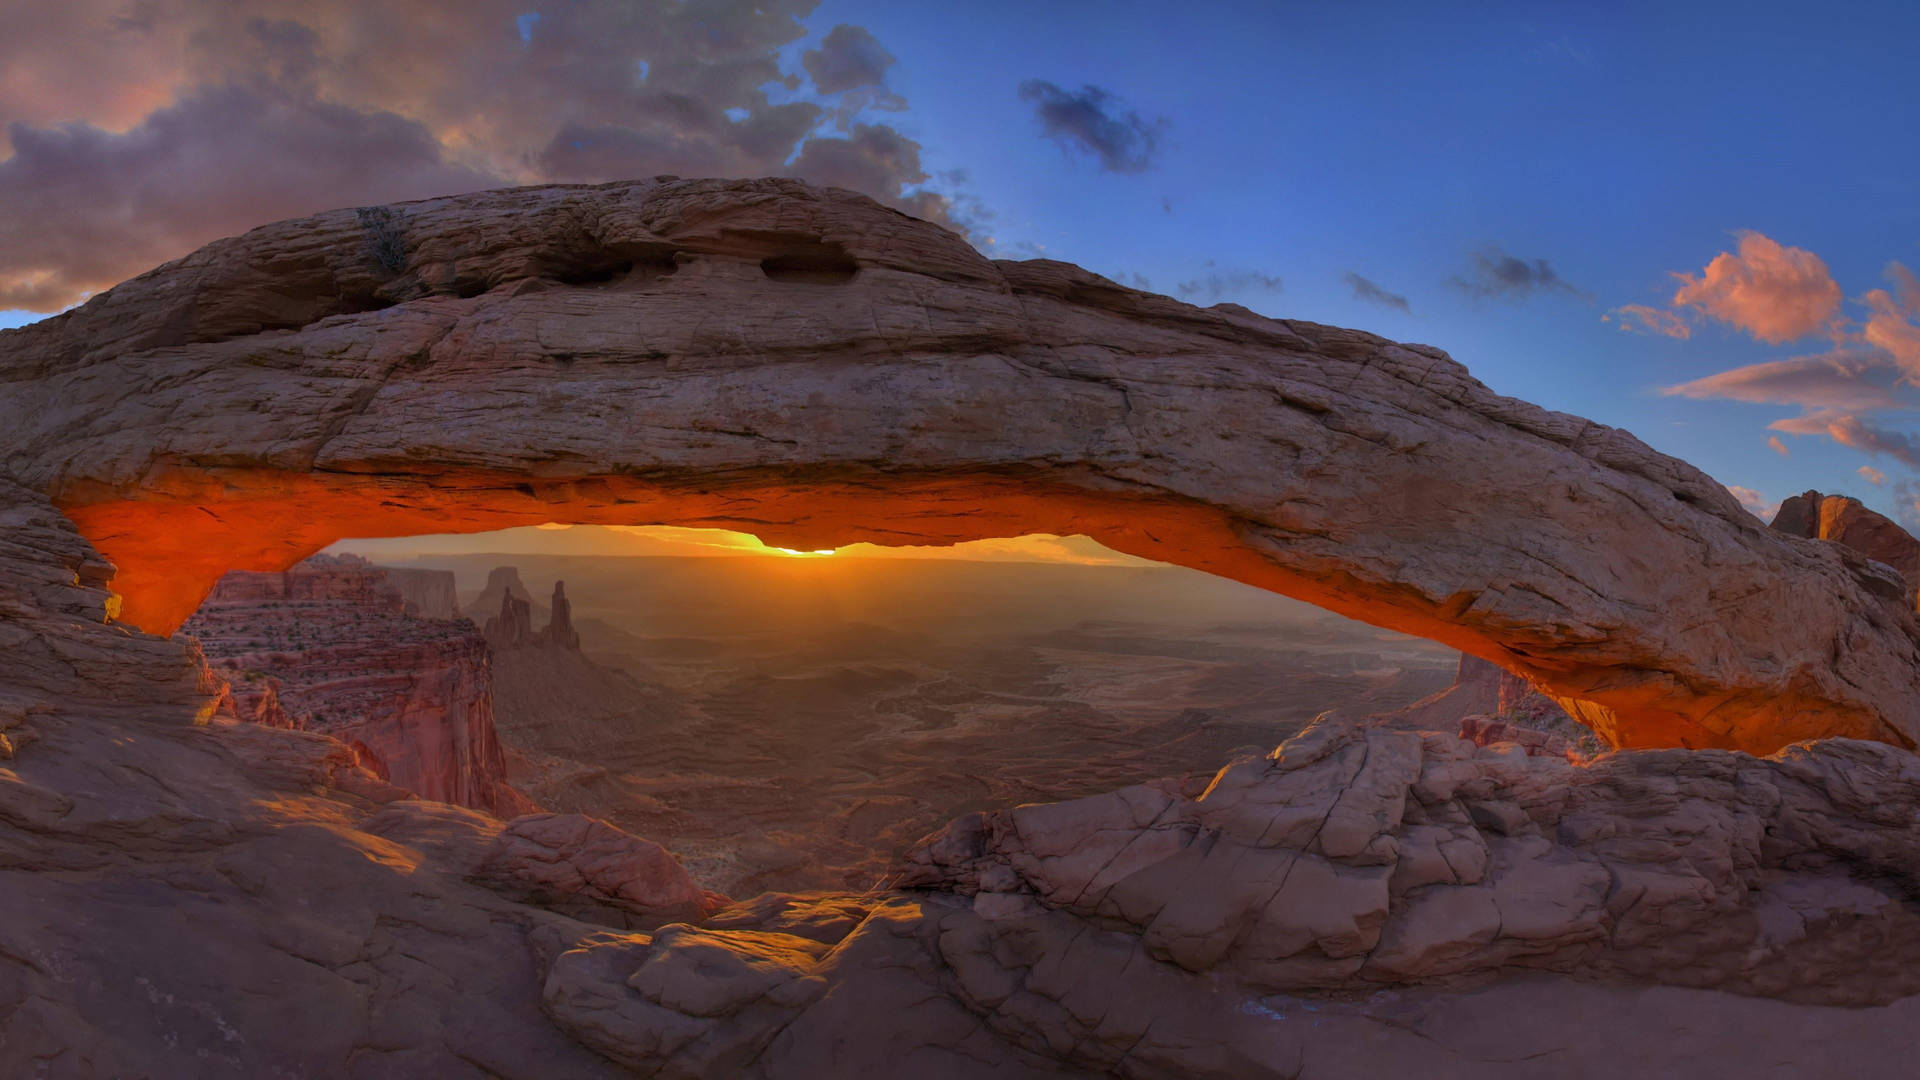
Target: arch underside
(812, 368)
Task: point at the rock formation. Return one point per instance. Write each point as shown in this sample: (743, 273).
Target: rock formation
(560, 631)
(1483, 689)
(428, 593)
(502, 582)
(1845, 521)
(554, 354)
(513, 628)
(331, 646)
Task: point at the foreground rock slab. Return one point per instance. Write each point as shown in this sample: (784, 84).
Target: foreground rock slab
(185, 898)
(820, 369)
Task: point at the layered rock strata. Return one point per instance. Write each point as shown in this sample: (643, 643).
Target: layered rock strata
(332, 646)
(821, 369)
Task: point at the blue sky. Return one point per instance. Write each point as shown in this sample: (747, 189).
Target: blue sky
(1619, 144)
(1306, 141)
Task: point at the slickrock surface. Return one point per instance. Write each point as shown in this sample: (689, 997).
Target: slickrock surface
(1338, 909)
(820, 369)
(182, 897)
(331, 646)
(556, 857)
(1846, 521)
(1354, 858)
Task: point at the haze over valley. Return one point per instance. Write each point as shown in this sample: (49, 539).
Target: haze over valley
(794, 723)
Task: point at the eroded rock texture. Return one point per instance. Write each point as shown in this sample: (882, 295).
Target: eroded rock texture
(331, 645)
(817, 368)
(1356, 858)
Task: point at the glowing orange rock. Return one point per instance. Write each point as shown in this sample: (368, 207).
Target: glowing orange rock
(809, 366)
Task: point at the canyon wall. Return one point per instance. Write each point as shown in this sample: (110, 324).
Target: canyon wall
(428, 593)
(331, 645)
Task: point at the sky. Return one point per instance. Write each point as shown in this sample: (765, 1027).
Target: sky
(1694, 222)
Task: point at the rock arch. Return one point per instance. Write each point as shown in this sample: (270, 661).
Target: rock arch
(812, 367)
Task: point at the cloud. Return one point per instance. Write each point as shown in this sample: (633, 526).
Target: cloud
(1495, 274)
(1363, 289)
(1217, 283)
(1838, 381)
(1095, 121)
(1906, 505)
(1757, 504)
(1872, 475)
(1778, 293)
(1649, 320)
(1775, 293)
(1778, 447)
(156, 126)
(1891, 319)
(1850, 430)
(848, 58)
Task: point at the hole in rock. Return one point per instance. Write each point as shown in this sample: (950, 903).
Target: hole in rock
(786, 718)
(631, 263)
(814, 264)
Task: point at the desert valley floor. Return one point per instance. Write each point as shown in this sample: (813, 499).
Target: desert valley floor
(785, 724)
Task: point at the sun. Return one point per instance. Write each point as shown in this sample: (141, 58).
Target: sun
(804, 554)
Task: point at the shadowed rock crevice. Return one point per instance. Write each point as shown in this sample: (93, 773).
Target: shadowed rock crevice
(933, 397)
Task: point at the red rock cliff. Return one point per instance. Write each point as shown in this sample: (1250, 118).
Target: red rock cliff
(1846, 521)
(332, 646)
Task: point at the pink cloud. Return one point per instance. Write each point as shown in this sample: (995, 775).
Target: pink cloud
(1891, 320)
(1757, 504)
(1770, 291)
(1841, 381)
(1872, 475)
(1849, 430)
(1778, 447)
(1649, 319)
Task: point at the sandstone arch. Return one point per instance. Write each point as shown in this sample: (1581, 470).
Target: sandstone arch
(812, 367)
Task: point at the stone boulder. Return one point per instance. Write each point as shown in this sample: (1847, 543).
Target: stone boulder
(563, 860)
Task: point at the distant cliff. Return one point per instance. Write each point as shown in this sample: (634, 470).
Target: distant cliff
(332, 645)
(509, 614)
(428, 593)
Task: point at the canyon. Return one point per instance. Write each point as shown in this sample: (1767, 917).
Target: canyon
(1723, 889)
(331, 645)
